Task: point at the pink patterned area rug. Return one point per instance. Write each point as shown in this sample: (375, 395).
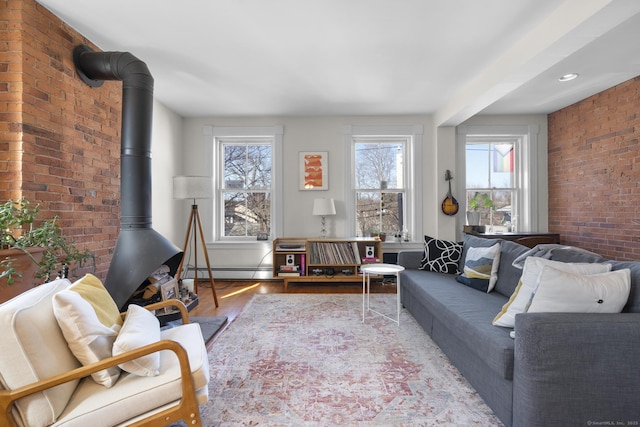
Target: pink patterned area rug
(309, 360)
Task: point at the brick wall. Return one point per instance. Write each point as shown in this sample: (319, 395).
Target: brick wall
(60, 139)
(594, 172)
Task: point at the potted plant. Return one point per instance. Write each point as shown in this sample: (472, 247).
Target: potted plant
(382, 236)
(32, 250)
(477, 202)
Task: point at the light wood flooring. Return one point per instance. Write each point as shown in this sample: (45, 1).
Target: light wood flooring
(233, 295)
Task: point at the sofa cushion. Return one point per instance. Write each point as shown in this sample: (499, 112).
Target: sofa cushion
(33, 349)
(574, 254)
(526, 287)
(562, 292)
(508, 275)
(133, 394)
(442, 256)
(90, 321)
(141, 327)
(467, 314)
(481, 268)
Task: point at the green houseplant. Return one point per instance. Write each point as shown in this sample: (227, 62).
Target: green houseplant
(26, 242)
(475, 204)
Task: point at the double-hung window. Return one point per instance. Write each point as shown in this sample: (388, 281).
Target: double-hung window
(492, 190)
(500, 175)
(383, 183)
(246, 180)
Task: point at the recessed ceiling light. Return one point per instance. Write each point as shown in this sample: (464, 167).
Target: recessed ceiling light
(568, 77)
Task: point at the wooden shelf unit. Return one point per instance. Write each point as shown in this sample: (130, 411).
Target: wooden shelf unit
(322, 260)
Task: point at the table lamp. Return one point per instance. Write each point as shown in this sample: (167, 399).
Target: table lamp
(324, 207)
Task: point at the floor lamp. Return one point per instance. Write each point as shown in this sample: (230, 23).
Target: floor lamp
(194, 187)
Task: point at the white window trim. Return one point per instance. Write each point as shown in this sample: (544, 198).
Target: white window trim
(211, 133)
(527, 136)
(413, 173)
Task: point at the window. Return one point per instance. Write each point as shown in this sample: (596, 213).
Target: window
(246, 187)
(380, 191)
(491, 191)
(383, 183)
(246, 180)
(500, 165)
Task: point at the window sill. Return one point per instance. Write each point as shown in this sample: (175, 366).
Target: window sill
(388, 246)
(239, 243)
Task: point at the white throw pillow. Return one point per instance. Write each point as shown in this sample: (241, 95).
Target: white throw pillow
(90, 321)
(562, 292)
(140, 328)
(529, 281)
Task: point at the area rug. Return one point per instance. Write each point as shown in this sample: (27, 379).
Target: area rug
(309, 360)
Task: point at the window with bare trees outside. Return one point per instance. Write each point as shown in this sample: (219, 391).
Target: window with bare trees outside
(247, 176)
(384, 192)
(246, 186)
(380, 185)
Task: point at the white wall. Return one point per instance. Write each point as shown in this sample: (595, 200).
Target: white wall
(166, 155)
(190, 154)
(300, 134)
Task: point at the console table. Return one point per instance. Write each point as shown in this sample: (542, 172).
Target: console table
(529, 239)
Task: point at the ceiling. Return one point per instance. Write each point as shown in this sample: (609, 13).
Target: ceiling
(451, 59)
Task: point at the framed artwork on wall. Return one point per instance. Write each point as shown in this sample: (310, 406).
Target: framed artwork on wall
(314, 170)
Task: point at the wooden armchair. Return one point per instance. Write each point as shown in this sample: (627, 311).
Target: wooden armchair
(58, 394)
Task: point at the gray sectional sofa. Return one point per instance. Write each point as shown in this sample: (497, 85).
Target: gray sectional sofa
(561, 369)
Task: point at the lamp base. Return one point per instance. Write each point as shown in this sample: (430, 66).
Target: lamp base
(323, 232)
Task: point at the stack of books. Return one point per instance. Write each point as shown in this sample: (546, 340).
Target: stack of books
(289, 270)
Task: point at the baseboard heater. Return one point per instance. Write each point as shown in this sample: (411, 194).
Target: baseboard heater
(240, 273)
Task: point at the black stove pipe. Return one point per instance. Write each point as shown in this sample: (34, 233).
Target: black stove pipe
(140, 250)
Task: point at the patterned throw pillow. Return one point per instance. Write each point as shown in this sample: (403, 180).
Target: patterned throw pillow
(481, 268)
(442, 256)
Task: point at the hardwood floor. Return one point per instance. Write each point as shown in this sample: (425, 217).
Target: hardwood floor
(233, 295)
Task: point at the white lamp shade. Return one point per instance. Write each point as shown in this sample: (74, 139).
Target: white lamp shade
(324, 207)
(192, 187)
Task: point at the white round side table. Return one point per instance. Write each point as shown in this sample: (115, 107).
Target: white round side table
(381, 269)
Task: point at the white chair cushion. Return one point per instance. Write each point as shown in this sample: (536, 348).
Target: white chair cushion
(33, 349)
(92, 404)
(90, 322)
(141, 327)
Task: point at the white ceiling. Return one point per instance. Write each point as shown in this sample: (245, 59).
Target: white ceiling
(452, 59)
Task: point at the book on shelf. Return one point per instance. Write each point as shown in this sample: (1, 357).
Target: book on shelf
(289, 267)
(369, 259)
(335, 253)
(356, 250)
(288, 273)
